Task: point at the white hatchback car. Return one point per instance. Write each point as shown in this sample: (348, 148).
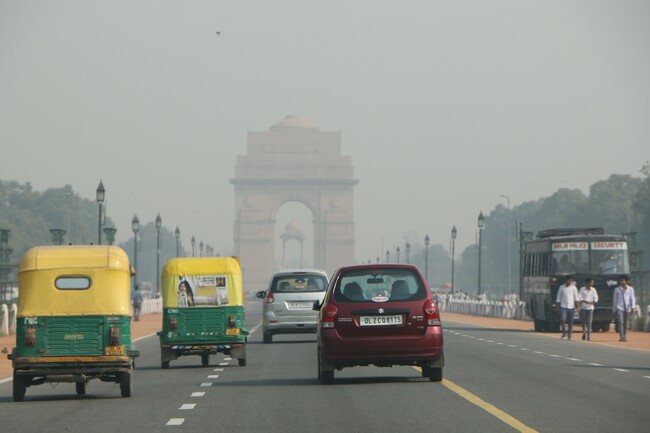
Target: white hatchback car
(289, 302)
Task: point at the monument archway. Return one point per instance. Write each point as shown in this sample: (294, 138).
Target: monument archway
(293, 162)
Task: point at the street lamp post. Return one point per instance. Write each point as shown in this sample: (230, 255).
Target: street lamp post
(426, 258)
(5, 270)
(101, 195)
(57, 236)
(397, 251)
(193, 242)
(408, 253)
(509, 243)
(110, 234)
(158, 226)
(177, 234)
(387, 256)
(454, 233)
(481, 224)
(135, 226)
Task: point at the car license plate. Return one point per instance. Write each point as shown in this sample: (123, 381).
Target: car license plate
(232, 331)
(300, 305)
(114, 350)
(380, 320)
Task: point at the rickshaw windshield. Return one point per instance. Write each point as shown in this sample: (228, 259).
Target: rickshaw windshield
(74, 280)
(202, 282)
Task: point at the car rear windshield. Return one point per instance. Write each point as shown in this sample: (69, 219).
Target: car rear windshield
(379, 285)
(298, 283)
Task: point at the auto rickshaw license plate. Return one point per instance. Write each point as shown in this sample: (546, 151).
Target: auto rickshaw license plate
(114, 350)
(232, 331)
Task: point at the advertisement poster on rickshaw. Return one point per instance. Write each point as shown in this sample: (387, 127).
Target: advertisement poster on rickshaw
(202, 290)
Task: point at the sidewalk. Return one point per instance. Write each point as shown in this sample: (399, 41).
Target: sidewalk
(148, 324)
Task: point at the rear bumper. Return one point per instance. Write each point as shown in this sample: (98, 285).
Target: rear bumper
(81, 366)
(289, 328)
(411, 350)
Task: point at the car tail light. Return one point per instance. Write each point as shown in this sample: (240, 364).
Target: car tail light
(232, 321)
(30, 336)
(114, 339)
(431, 313)
(269, 298)
(173, 323)
(329, 315)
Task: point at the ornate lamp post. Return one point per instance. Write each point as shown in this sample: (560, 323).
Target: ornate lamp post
(158, 226)
(426, 258)
(408, 252)
(177, 234)
(57, 236)
(110, 234)
(397, 251)
(454, 233)
(135, 226)
(5, 270)
(101, 195)
(481, 224)
(387, 256)
(193, 242)
(507, 197)
(201, 249)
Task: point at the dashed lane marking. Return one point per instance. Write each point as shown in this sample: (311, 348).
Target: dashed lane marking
(523, 348)
(227, 359)
(647, 377)
(574, 359)
(187, 406)
(555, 356)
(206, 384)
(198, 394)
(622, 369)
(213, 376)
(538, 352)
(218, 369)
(595, 364)
(223, 363)
(176, 421)
(489, 408)
(512, 345)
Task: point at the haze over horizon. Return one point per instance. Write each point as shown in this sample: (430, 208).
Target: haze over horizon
(443, 107)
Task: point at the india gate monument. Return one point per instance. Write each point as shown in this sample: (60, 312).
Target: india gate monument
(292, 162)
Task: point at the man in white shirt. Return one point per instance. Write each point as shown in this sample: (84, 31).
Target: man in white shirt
(588, 298)
(624, 304)
(567, 298)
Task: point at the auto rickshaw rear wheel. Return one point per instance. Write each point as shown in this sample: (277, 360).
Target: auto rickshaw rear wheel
(20, 385)
(125, 384)
(205, 359)
(164, 364)
(242, 362)
(80, 387)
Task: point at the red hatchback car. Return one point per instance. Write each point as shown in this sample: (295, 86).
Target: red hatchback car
(381, 315)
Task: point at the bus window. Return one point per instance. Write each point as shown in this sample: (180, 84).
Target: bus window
(570, 261)
(609, 262)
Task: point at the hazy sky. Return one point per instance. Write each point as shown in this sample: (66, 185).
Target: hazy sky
(443, 106)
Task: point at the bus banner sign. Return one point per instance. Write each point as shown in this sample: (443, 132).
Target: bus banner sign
(565, 246)
(609, 245)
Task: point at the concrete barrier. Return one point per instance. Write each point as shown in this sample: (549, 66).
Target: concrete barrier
(515, 310)
(13, 316)
(150, 306)
(4, 320)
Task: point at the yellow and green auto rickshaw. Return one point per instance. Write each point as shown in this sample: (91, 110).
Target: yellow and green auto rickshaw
(203, 309)
(74, 318)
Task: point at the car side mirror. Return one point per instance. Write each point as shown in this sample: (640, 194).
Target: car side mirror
(316, 306)
(261, 294)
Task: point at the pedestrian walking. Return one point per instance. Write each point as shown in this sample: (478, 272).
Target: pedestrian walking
(588, 299)
(136, 301)
(623, 305)
(567, 298)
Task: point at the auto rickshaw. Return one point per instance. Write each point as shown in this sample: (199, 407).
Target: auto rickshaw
(203, 310)
(73, 321)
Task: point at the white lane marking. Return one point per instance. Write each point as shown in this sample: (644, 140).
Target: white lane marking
(144, 336)
(198, 394)
(213, 376)
(481, 339)
(622, 369)
(227, 359)
(574, 359)
(647, 377)
(223, 363)
(206, 384)
(254, 328)
(9, 379)
(500, 344)
(512, 345)
(471, 337)
(175, 421)
(538, 352)
(489, 341)
(595, 364)
(218, 369)
(187, 406)
(523, 348)
(555, 356)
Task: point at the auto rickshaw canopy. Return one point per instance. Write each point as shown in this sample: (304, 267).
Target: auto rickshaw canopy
(202, 282)
(74, 280)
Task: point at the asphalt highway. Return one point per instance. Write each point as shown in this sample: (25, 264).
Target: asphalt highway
(496, 380)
